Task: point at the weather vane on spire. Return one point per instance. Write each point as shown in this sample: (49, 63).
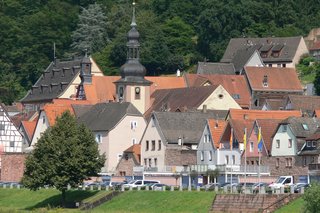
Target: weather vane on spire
(133, 22)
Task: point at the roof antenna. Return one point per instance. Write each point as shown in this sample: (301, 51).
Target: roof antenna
(133, 22)
(54, 52)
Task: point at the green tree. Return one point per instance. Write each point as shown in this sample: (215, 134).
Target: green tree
(312, 198)
(91, 31)
(65, 155)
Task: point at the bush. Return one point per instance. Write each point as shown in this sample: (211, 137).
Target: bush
(312, 198)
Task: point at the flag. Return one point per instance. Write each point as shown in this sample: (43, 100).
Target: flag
(245, 139)
(231, 139)
(259, 141)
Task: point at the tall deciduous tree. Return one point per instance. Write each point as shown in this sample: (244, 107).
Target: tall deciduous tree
(91, 31)
(65, 155)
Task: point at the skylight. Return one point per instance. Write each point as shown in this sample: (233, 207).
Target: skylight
(305, 126)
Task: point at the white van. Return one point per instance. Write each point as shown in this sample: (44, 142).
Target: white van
(136, 183)
(282, 181)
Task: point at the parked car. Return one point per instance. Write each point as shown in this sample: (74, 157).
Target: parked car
(257, 187)
(158, 186)
(282, 181)
(136, 183)
(211, 186)
(298, 186)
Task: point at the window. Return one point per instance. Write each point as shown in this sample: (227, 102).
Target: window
(284, 65)
(304, 160)
(122, 173)
(155, 162)
(270, 65)
(278, 65)
(133, 124)
(257, 161)
(305, 127)
(313, 143)
(275, 54)
(251, 146)
(120, 93)
(236, 96)
(288, 162)
(210, 155)
(284, 128)
(277, 143)
(227, 159)
(309, 143)
(289, 143)
(119, 157)
(277, 162)
(134, 141)
(43, 119)
(312, 159)
(149, 162)
(153, 143)
(98, 138)
(159, 144)
(11, 143)
(147, 145)
(205, 139)
(201, 155)
(145, 162)
(1, 126)
(233, 159)
(137, 93)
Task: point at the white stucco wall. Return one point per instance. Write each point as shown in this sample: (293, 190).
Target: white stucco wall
(150, 134)
(255, 60)
(284, 137)
(220, 99)
(119, 139)
(40, 128)
(143, 103)
(301, 50)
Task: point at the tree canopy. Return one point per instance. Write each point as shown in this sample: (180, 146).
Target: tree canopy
(66, 154)
(174, 33)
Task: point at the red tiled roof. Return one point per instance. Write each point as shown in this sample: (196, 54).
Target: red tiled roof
(317, 113)
(268, 128)
(315, 46)
(55, 109)
(216, 128)
(135, 150)
(239, 126)
(165, 82)
(234, 84)
(260, 114)
(279, 79)
(304, 102)
(29, 127)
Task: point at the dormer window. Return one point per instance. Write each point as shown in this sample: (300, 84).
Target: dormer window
(265, 81)
(264, 54)
(275, 54)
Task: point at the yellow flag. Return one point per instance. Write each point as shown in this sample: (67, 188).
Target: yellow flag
(245, 139)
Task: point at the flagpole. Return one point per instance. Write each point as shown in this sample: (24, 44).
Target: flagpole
(245, 159)
(259, 152)
(231, 144)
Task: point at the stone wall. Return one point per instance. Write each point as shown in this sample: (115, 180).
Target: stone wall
(12, 166)
(126, 165)
(179, 157)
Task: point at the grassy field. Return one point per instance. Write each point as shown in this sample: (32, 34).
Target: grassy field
(24, 200)
(293, 207)
(48, 200)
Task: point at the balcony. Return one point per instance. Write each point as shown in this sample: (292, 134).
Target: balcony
(314, 166)
(165, 169)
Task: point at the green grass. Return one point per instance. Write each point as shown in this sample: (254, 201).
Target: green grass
(20, 200)
(158, 201)
(295, 206)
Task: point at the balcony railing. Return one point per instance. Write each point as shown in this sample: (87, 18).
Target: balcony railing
(314, 166)
(204, 168)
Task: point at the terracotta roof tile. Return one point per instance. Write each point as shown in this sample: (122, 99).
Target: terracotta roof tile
(238, 126)
(216, 128)
(260, 114)
(279, 79)
(268, 128)
(29, 127)
(317, 113)
(136, 151)
(236, 85)
(304, 102)
(55, 109)
(165, 82)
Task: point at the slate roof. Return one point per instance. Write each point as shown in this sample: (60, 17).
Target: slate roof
(187, 125)
(241, 57)
(287, 45)
(236, 85)
(304, 102)
(268, 128)
(279, 79)
(54, 81)
(79, 110)
(216, 128)
(179, 99)
(295, 124)
(105, 116)
(215, 68)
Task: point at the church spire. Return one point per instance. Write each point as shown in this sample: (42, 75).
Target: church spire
(133, 21)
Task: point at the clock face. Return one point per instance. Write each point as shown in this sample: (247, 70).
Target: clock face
(137, 90)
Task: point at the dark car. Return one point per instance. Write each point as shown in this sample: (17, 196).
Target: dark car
(211, 186)
(257, 187)
(297, 187)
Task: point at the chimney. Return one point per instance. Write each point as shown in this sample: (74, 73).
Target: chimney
(204, 108)
(178, 73)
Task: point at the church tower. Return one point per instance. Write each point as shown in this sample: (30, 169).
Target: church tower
(133, 87)
(85, 76)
